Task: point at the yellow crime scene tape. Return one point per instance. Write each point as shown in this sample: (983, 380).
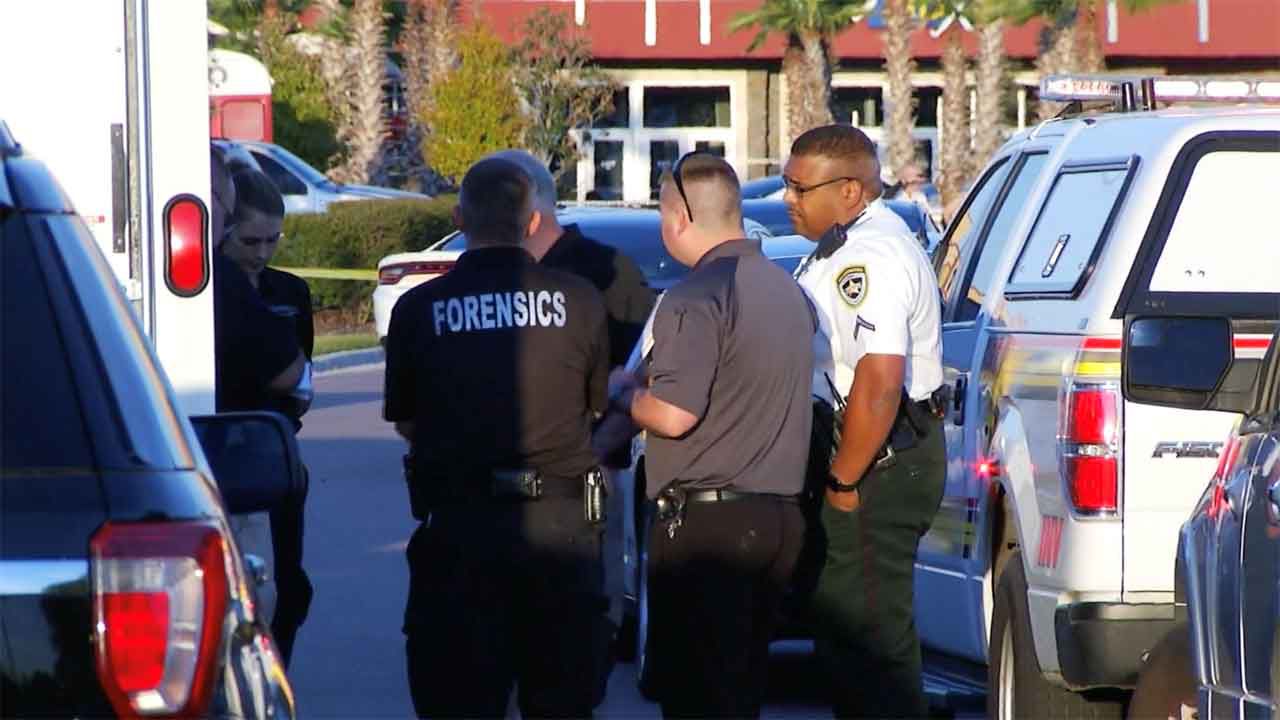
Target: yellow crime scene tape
(332, 273)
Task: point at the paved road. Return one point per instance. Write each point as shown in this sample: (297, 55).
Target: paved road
(349, 657)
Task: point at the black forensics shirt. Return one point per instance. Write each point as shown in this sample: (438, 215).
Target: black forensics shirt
(500, 364)
(627, 297)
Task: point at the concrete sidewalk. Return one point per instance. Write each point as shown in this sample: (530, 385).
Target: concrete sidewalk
(347, 360)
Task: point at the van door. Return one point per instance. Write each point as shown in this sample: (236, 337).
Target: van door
(950, 568)
(113, 97)
(1216, 196)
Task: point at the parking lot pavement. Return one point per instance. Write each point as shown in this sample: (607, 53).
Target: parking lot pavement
(349, 657)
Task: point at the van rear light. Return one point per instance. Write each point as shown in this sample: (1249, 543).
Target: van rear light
(392, 274)
(186, 244)
(160, 594)
(1089, 446)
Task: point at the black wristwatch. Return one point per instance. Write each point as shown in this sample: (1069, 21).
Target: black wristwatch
(834, 484)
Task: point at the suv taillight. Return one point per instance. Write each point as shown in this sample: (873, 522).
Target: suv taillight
(1089, 445)
(160, 594)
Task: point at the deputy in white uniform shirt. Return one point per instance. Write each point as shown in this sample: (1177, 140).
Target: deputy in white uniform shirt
(878, 363)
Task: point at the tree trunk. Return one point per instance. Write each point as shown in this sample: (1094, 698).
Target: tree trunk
(988, 121)
(366, 126)
(1057, 55)
(808, 71)
(898, 66)
(956, 153)
(1089, 50)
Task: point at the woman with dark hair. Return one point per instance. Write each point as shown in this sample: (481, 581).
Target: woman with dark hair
(255, 233)
(249, 240)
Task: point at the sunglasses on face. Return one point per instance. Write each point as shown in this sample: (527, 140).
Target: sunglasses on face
(792, 186)
(675, 176)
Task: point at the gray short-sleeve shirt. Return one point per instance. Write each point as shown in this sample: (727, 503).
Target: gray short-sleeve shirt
(733, 346)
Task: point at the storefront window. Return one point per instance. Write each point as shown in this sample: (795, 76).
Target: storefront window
(662, 157)
(669, 107)
(714, 147)
(858, 106)
(927, 106)
(620, 117)
(608, 162)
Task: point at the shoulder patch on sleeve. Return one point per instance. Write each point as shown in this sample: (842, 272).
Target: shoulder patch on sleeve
(852, 283)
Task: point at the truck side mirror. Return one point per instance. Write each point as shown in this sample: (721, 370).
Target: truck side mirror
(1180, 362)
(254, 458)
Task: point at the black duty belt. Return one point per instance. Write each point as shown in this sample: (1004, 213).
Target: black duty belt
(724, 494)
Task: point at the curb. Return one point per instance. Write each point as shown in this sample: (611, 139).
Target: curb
(347, 359)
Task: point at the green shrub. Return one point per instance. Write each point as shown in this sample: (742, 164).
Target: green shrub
(355, 235)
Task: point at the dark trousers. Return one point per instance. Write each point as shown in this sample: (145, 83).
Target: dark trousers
(715, 589)
(862, 607)
(503, 594)
(293, 587)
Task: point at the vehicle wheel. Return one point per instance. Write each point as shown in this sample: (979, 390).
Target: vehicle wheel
(1166, 685)
(1016, 688)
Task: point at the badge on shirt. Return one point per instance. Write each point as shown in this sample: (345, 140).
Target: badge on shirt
(852, 284)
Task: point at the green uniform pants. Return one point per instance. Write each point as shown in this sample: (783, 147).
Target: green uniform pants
(862, 607)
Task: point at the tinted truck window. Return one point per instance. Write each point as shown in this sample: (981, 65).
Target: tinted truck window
(1069, 230)
(43, 426)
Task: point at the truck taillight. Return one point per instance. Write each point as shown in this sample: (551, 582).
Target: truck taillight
(1089, 443)
(160, 594)
(186, 243)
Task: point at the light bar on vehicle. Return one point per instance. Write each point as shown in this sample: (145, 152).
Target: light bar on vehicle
(1142, 92)
(1068, 88)
(1216, 90)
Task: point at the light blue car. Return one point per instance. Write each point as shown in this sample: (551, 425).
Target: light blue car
(306, 189)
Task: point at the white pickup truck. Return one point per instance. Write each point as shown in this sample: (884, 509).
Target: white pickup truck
(1050, 566)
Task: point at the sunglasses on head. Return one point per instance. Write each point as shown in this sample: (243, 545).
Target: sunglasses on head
(675, 176)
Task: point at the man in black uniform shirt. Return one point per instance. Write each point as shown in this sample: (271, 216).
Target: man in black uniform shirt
(494, 373)
(727, 407)
(627, 297)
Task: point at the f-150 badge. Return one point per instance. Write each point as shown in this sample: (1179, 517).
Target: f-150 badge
(1187, 449)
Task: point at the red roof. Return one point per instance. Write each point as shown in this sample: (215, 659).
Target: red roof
(1242, 29)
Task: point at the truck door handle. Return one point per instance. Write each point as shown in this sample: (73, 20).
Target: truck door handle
(957, 398)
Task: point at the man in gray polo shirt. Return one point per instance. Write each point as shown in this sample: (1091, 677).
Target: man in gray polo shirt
(727, 407)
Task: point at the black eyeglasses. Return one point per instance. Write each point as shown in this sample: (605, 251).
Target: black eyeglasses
(795, 187)
(675, 176)
(252, 241)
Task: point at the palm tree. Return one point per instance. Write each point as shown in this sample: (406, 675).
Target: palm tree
(989, 77)
(899, 116)
(1066, 43)
(809, 26)
(428, 45)
(957, 156)
(365, 126)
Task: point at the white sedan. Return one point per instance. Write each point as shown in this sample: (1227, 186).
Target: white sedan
(632, 231)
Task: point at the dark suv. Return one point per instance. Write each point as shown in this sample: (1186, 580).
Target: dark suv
(122, 590)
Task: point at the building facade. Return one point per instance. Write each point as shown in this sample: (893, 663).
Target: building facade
(687, 82)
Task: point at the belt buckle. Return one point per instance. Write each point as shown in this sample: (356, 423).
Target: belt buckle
(888, 460)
